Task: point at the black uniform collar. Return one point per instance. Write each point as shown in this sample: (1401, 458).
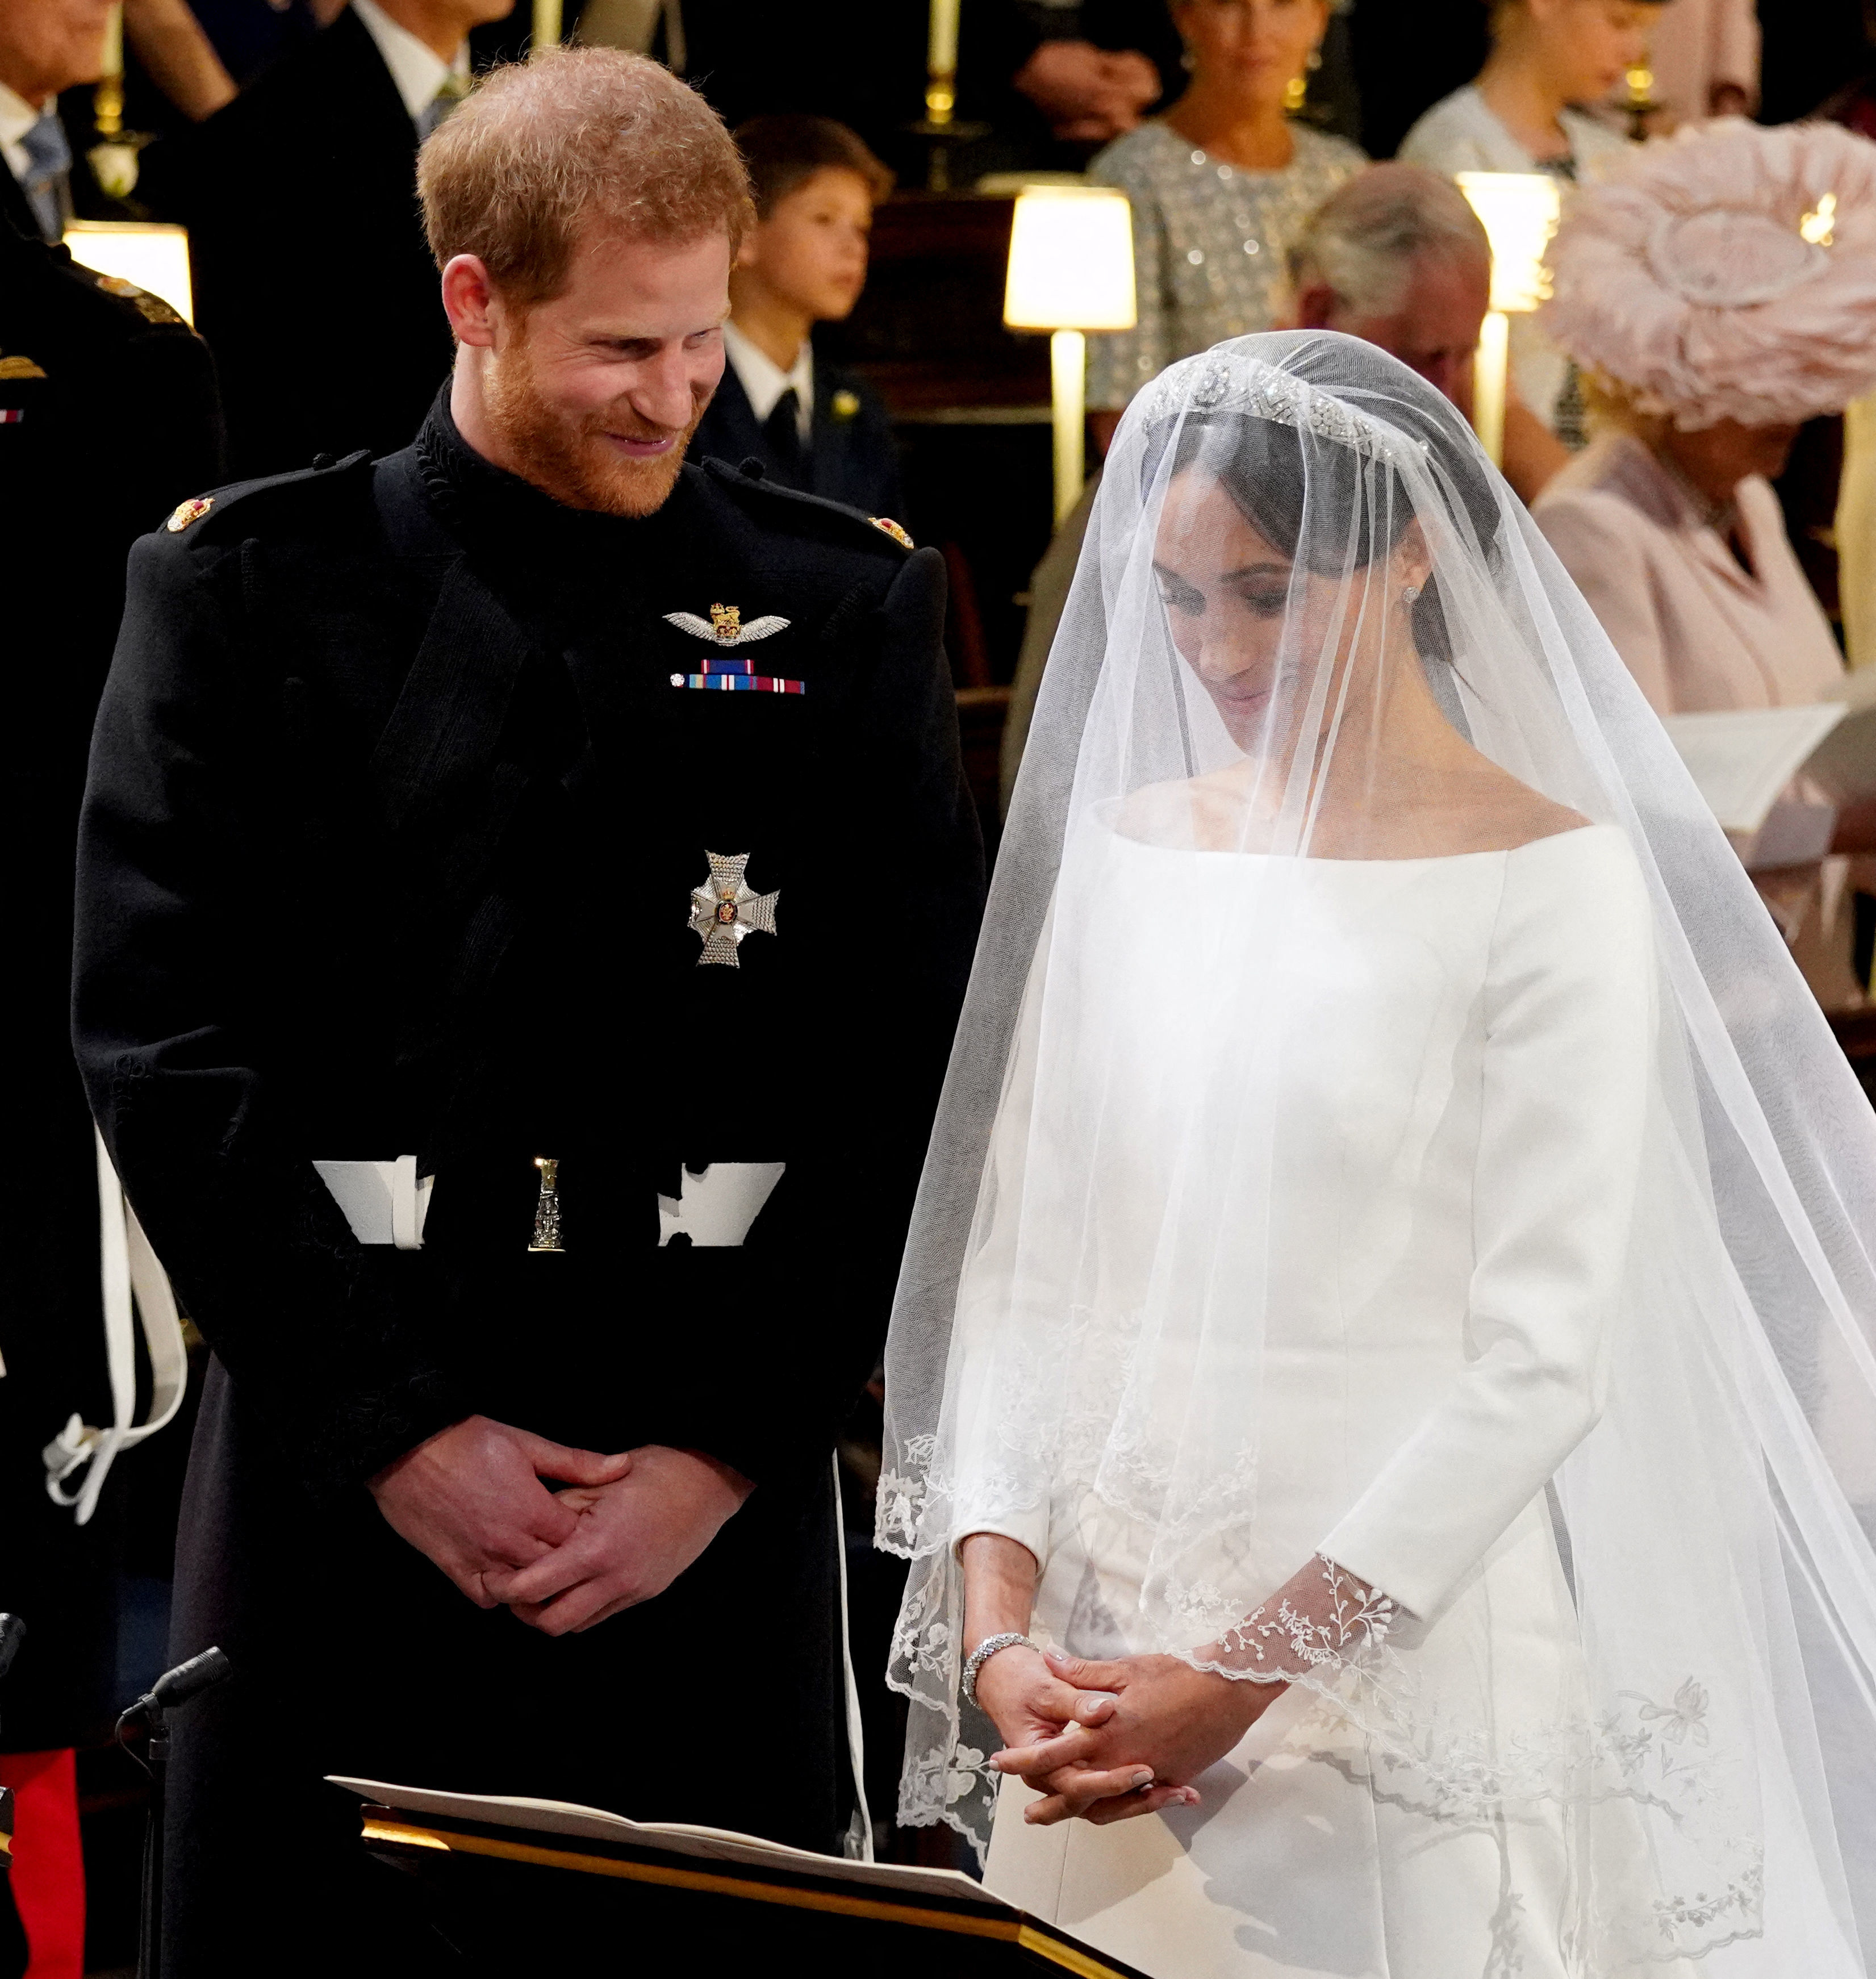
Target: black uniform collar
(485, 506)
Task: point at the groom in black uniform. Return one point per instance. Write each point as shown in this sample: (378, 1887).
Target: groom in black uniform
(527, 884)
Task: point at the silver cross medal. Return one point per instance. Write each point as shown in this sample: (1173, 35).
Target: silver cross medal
(724, 910)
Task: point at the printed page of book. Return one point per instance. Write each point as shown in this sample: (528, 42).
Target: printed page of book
(562, 1818)
(1742, 758)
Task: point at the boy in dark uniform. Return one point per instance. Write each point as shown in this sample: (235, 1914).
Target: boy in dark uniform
(526, 886)
(812, 423)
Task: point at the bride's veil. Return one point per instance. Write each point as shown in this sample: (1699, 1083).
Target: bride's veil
(1714, 1775)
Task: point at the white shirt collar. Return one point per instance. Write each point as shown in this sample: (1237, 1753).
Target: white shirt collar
(17, 118)
(764, 381)
(418, 71)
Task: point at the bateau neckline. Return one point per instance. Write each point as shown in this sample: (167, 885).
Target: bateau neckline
(1425, 859)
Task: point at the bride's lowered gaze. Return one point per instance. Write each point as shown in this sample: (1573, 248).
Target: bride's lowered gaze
(1364, 1386)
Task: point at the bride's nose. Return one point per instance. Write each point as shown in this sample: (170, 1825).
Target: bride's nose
(1218, 659)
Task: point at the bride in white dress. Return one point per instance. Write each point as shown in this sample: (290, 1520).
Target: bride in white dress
(1380, 1403)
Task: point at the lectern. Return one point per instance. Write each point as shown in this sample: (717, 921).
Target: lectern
(520, 1885)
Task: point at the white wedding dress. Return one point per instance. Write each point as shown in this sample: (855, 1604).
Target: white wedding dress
(1451, 1059)
(1501, 1227)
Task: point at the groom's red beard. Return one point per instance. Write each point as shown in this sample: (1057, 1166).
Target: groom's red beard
(569, 455)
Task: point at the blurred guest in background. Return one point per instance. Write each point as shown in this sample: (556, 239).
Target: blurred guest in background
(107, 418)
(1520, 114)
(180, 58)
(1220, 186)
(45, 46)
(300, 201)
(1717, 293)
(1399, 258)
(812, 424)
(1704, 57)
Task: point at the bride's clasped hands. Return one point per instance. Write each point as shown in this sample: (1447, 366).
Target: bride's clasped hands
(1105, 1740)
(1132, 1732)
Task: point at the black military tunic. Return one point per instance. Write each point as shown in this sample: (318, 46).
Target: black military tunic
(107, 416)
(402, 785)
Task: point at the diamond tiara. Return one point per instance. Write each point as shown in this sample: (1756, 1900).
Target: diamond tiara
(1210, 383)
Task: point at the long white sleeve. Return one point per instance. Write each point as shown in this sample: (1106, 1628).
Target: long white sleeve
(1570, 1020)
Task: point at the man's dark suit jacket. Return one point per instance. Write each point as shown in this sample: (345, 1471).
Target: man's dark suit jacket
(313, 284)
(399, 795)
(850, 457)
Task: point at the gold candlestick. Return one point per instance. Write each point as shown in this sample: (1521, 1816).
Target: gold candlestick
(107, 98)
(1641, 104)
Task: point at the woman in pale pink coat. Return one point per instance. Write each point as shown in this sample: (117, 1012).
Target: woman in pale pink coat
(1718, 290)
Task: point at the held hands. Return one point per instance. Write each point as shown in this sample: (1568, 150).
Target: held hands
(1033, 1699)
(635, 1536)
(1121, 1737)
(471, 1499)
(1167, 1720)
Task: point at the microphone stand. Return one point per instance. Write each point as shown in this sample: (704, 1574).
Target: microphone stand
(174, 1687)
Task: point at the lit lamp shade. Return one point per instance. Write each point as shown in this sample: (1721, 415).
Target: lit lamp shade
(1519, 212)
(1071, 260)
(155, 257)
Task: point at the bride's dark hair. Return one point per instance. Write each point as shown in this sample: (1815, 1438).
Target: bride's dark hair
(1281, 486)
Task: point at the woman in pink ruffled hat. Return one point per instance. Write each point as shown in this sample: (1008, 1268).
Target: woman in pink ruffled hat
(1717, 291)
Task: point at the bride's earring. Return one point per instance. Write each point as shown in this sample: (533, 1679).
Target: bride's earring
(1186, 61)
(1410, 594)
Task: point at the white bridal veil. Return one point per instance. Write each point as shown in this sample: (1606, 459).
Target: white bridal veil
(1073, 1329)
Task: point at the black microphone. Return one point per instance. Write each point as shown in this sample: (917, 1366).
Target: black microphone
(12, 1633)
(177, 1686)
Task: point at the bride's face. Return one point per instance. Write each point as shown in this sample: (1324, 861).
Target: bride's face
(1250, 621)
(1239, 608)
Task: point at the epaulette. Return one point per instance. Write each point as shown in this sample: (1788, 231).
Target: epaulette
(742, 480)
(213, 508)
(152, 309)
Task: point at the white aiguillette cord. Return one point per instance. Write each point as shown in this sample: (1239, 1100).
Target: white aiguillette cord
(135, 1287)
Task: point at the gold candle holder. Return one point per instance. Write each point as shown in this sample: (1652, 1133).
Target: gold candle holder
(940, 97)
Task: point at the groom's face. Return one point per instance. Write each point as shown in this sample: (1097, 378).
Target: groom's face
(593, 394)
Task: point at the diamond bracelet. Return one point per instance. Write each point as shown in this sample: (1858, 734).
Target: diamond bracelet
(982, 1655)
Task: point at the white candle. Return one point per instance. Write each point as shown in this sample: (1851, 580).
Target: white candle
(113, 62)
(941, 55)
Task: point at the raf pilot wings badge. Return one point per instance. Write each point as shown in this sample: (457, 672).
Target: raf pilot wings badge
(725, 628)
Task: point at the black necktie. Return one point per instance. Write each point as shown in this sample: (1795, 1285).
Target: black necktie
(783, 435)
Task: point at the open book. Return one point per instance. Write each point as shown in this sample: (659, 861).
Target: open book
(716, 1844)
(1746, 761)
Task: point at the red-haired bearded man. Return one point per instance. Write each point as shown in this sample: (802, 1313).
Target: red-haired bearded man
(527, 883)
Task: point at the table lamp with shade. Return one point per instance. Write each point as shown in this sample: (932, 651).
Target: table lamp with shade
(1071, 270)
(1519, 213)
(153, 256)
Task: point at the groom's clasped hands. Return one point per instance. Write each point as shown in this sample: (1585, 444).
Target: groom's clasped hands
(472, 1500)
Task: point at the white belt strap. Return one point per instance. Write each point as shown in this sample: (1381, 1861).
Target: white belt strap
(384, 1201)
(135, 1287)
(716, 1207)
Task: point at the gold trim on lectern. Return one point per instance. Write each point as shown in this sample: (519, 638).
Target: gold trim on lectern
(379, 1827)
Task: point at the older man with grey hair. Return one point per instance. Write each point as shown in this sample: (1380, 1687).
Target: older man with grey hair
(1398, 258)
